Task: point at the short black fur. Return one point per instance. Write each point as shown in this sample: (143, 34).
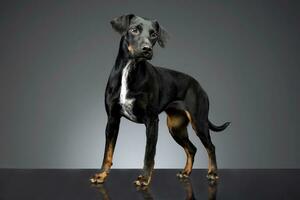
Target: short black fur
(154, 90)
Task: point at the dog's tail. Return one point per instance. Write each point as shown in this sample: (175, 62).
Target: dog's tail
(217, 128)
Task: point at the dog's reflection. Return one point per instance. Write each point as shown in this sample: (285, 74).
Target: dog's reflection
(188, 187)
(212, 190)
(145, 192)
(186, 183)
(101, 188)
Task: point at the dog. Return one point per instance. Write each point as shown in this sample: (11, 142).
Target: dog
(139, 91)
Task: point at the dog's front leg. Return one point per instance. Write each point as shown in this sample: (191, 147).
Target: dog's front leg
(151, 134)
(111, 134)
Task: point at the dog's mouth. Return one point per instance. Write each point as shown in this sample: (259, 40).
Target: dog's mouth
(144, 55)
(147, 55)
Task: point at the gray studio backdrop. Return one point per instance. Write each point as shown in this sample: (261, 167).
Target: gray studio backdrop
(56, 57)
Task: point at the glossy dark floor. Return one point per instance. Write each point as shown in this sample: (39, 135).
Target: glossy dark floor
(74, 184)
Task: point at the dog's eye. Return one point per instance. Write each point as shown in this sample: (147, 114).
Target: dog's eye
(135, 31)
(153, 35)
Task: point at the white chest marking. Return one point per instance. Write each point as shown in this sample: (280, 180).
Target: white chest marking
(126, 103)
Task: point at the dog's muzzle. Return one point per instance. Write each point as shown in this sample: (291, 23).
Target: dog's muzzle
(147, 52)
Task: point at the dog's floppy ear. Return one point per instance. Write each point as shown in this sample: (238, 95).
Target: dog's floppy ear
(163, 35)
(120, 24)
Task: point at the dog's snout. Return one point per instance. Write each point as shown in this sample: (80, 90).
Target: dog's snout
(147, 51)
(147, 48)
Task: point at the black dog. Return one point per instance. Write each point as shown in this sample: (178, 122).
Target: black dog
(140, 91)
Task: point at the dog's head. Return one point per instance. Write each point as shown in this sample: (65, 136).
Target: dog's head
(140, 35)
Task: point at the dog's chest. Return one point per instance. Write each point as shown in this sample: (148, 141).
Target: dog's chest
(127, 104)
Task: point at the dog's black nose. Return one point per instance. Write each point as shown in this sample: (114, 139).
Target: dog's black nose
(147, 48)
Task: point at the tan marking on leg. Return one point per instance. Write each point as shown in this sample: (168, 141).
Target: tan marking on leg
(109, 156)
(174, 121)
(99, 177)
(143, 180)
(189, 162)
(177, 124)
(211, 165)
(107, 163)
(209, 162)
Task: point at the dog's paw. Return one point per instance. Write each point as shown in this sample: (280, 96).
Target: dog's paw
(142, 181)
(182, 174)
(212, 176)
(99, 178)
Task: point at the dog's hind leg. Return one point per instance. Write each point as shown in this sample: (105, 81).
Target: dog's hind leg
(202, 130)
(177, 121)
(197, 108)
